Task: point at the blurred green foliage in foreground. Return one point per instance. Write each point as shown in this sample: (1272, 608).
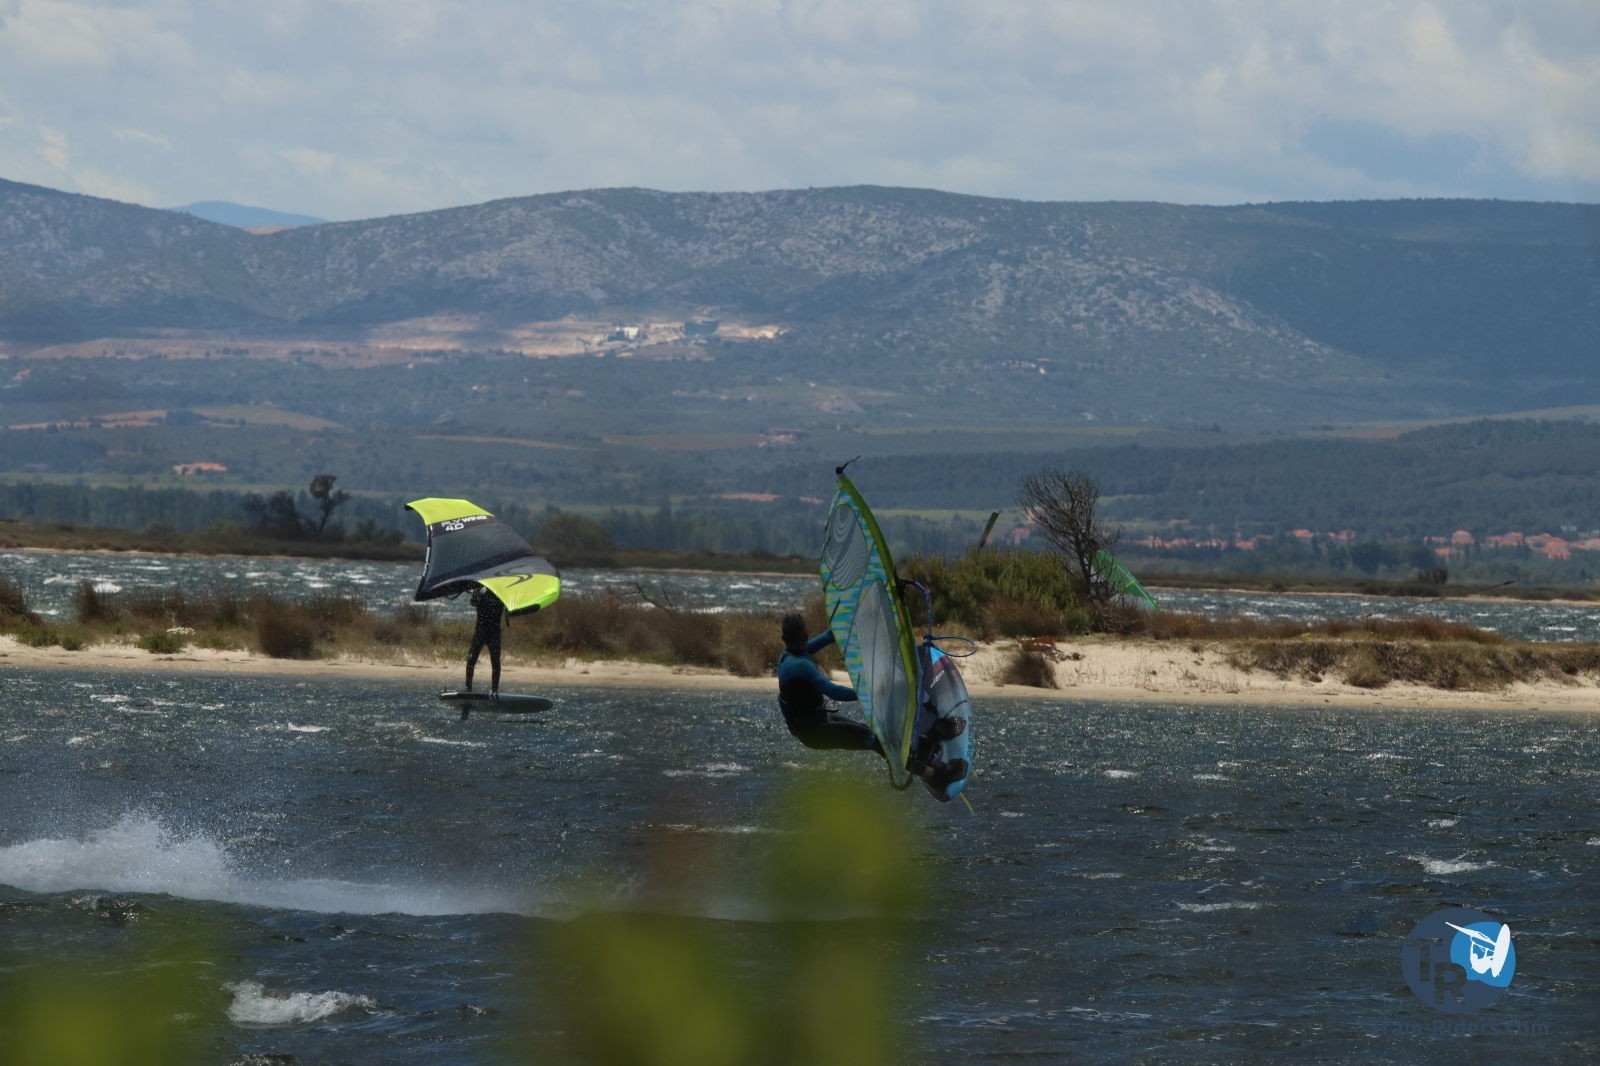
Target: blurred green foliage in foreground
(143, 1006)
(805, 967)
(814, 976)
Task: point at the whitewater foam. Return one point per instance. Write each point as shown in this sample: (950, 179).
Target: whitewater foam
(254, 1006)
(140, 854)
(714, 770)
(1440, 867)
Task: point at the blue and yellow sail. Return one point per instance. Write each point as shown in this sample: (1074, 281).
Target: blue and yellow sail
(871, 624)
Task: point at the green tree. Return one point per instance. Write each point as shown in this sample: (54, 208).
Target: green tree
(574, 534)
(276, 515)
(1370, 556)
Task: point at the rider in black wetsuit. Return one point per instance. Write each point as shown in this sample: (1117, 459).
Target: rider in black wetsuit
(803, 688)
(485, 634)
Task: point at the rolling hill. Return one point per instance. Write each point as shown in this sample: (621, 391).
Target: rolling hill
(1403, 308)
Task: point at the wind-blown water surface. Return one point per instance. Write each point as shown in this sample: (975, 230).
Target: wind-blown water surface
(1136, 883)
(51, 578)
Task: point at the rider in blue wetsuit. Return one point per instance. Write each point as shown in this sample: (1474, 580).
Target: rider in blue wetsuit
(803, 689)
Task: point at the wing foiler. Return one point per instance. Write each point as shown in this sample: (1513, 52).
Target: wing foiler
(871, 624)
(467, 545)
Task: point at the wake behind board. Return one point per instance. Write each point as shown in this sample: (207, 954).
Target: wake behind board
(506, 702)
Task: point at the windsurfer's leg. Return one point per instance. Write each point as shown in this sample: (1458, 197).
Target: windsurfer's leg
(494, 666)
(472, 658)
(827, 731)
(864, 738)
(837, 733)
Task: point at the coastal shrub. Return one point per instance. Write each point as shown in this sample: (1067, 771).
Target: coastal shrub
(91, 605)
(13, 602)
(749, 646)
(221, 609)
(1003, 617)
(1363, 670)
(1172, 625)
(1120, 617)
(1425, 627)
(332, 611)
(1287, 658)
(1029, 665)
(168, 607)
(162, 642)
(962, 588)
(691, 638)
(34, 634)
(283, 632)
(1176, 625)
(407, 622)
(584, 625)
(72, 638)
(1451, 665)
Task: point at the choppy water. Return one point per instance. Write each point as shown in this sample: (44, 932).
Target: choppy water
(1514, 619)
(1136, 883)
(51, 578)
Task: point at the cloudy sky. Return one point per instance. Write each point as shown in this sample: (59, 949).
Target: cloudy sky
(357, 108)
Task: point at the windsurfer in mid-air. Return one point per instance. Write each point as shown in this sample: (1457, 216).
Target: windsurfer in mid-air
(803, 689)
(485, 634)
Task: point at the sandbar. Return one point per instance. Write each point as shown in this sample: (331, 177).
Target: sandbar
(1107, 669)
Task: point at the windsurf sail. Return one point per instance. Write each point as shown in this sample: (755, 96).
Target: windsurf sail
(1121, 581)
(870, 623)
(467, 545)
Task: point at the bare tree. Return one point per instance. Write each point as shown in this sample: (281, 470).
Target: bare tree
(279, 514)
(1061, 505)
(327, 499)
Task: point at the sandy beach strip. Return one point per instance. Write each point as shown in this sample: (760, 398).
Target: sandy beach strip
(1105, 669)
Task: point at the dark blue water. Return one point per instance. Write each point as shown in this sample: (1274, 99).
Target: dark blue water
(1136, 883)
(50, 579)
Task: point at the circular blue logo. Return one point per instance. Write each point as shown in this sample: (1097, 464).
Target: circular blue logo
(1459, 960)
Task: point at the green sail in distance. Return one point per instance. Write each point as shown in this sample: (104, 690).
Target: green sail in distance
(1121, 581)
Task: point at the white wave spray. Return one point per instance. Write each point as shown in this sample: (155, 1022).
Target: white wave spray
(140, 854)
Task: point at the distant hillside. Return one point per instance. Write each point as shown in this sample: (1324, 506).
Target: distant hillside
(1130, 311)
(245, 217)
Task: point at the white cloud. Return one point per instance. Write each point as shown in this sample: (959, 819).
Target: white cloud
(54, 148)
(309, 162)
(125, 133)
(112, 187)
(361, 107)
(82, 36)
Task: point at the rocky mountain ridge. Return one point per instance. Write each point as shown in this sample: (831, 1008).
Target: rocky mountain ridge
(1440, 295)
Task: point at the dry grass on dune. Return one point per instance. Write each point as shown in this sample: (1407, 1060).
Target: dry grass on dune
(1452, 665)
(583, 627)
(1367, 653)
